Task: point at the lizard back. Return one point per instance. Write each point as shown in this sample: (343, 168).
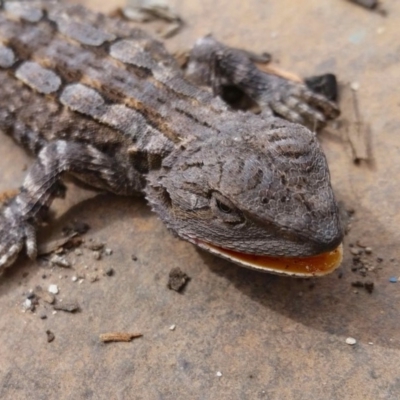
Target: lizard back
(68, 73)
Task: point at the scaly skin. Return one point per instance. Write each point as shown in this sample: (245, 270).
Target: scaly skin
(92, 97)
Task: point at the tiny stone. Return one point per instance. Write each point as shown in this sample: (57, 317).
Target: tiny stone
(355, 86)
(27, 304)
(60, 261)
(351, 341)
(219, 374)
(54, 312)
(96, 246)
(177, 279)
(92, 277)
(172, 327)
(53, 289)
(47, 296)
(80, 281)
(30, 295)
(96, 255)
(355, 251)
(108, 252)
(368, 250)
(133, 257)
(44, 276)
(110, 271)
(393, 279)
(74, 278)
(67, 306)
(43, 316)
(78, 252)
(371, 343)
(50, 336)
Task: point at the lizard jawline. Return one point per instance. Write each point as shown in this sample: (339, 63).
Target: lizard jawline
(319, 265)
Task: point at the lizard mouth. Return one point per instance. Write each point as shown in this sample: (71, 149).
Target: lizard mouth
(302, 267)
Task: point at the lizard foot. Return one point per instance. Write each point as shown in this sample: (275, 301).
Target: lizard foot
(14, 234)
(296, 103)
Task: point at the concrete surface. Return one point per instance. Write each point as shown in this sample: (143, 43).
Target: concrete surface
(269, 337)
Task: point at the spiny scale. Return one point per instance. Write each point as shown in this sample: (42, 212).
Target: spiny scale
(102, 69)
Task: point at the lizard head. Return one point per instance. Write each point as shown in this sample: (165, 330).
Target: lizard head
(251, 194)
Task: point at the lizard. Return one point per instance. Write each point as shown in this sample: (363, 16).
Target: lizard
(95, 99)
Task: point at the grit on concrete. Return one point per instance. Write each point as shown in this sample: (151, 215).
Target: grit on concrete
(239, 334)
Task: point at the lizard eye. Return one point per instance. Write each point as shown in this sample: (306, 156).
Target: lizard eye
(225, 210)
(223, 207)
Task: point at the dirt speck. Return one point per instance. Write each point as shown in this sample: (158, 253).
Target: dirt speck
(177, 280)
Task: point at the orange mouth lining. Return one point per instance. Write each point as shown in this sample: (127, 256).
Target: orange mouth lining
(319, 265)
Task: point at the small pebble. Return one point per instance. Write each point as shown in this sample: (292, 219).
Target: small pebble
(96, 246)
(60, 261)
(30, 295)
(78, 252)
(368, 250)
(43, 316)
(67, 306)
(172, 327)
(355, 86)
(351, 341)
(44, 295)
(92, 277)
(108, 252)
(110, 271)
(27, 304)
(97, 255)
(74, 278)
(219, 374)
(355, 251)
(393, 279)
(53, 289)
(133, 257)
(50, 336)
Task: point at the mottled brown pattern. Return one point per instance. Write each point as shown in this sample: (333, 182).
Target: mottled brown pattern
(94, 98)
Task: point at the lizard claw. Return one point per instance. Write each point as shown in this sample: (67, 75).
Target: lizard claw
(296, 103)
(14, 234)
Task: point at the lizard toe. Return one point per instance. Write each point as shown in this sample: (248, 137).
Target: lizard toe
(287, 112)
(327, 107)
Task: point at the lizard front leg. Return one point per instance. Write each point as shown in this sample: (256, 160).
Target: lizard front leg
(214, 64)
(21, 215)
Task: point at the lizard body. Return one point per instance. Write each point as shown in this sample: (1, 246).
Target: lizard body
(94, 98)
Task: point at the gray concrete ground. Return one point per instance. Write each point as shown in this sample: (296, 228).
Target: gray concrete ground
(270, 337)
